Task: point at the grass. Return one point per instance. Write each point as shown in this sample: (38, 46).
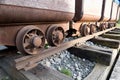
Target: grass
(118, 23)
(46, 46)
(66, 72)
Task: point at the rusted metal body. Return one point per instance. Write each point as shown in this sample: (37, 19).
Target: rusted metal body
(8, 33)
(107, 5)
(114, 12)
(25, 11)
(26, 24)
(118, 14)
(49, 20)
(88, 10)
(78, 26)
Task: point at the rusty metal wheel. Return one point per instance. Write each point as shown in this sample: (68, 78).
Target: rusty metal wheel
(106, 25)
(109, 25)
(92, 28)
(114, 24)
(102, 27)
(30, 40)
(55, 35)
(84, 30)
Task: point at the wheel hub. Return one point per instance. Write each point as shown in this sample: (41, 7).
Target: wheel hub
(59, 35)
(36, 41)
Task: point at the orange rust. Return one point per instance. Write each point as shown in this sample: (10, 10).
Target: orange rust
(90, 18)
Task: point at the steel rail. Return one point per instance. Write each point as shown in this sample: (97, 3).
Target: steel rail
(28, 61)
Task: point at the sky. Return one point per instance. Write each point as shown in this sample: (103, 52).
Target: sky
(117, 1)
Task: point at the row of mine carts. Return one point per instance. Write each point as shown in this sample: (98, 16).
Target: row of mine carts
(30, 24)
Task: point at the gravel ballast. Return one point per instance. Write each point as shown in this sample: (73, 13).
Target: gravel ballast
(78, 67)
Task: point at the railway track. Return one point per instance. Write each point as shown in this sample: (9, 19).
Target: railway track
(31, 61)
(48, 24)
(24, 63)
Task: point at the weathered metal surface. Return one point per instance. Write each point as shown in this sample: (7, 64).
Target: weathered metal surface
(46, 53)
(90, 18)
(78, 25)
(30, 40)
(92, 28)
(109, 25)
(78, 10)
(8, 33)
(114, 11)
(88, 10)
(102, 27)
(118, 14)
(36, 11)
(84, 30)
(55, 35)
(44, 4)
(107, 10)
